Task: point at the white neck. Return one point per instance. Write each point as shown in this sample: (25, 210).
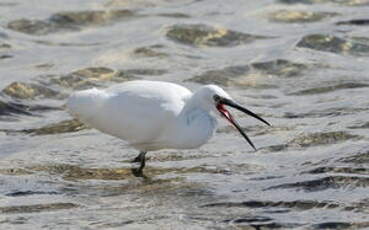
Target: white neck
(195, 125)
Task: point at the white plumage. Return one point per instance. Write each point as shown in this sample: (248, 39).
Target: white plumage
(153, 115)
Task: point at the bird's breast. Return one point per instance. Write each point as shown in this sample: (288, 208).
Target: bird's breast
(193, 130)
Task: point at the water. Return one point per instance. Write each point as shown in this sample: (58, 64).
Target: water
(300, 64)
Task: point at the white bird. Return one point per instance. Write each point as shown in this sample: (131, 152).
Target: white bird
(153, 115)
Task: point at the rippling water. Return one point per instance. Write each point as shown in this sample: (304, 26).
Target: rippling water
(303, 65)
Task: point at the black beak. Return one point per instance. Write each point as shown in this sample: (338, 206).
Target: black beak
(228, 102)
(229, 117)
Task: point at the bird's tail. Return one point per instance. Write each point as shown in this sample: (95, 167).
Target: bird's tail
(86, 103)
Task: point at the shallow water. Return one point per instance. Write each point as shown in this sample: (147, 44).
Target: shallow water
(302, 65)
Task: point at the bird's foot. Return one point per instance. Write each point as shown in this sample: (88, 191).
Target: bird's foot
(138, 164)
(140, 158)
(138, 172)
(137, 160)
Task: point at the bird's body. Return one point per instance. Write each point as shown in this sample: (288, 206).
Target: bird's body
(148, 115)
(153, 115)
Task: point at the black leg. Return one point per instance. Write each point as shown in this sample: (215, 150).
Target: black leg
(138, 172)
(140, 158)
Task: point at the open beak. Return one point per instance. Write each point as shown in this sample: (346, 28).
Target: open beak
(220, 106)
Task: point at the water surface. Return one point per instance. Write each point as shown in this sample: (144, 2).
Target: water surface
(302, 65)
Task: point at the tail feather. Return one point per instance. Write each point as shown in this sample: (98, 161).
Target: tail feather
(86, 103)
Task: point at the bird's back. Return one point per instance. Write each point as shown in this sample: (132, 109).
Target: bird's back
(136, 111)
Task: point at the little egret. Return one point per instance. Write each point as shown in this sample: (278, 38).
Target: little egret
(153, 115)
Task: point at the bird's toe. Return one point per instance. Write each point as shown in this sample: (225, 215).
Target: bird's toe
(137, 159)
(138, 172)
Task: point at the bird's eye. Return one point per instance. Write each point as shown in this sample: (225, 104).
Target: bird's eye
(216, 98)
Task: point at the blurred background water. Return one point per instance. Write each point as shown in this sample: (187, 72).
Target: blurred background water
(301, 64)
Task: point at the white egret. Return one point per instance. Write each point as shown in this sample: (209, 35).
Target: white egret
(153, 115)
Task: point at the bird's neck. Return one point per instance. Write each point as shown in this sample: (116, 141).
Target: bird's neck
(196, 126)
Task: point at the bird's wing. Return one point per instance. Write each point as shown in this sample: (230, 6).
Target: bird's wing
(138, 111)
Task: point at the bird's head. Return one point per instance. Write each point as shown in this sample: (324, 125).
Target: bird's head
(216, 99)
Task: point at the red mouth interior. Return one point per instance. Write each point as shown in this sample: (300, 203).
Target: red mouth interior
(225, 112)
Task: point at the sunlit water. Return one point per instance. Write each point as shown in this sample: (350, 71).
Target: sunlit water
(303, 65)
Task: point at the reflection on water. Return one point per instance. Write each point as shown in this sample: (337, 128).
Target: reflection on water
(302, 64)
